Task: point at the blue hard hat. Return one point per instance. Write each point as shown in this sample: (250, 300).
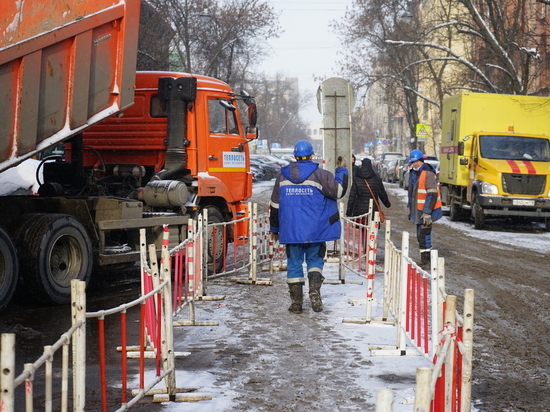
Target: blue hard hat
(415, 155)
(303, 149)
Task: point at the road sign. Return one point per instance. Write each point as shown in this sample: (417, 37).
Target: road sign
(422, 132)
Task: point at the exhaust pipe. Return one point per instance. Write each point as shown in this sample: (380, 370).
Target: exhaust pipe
(176, 93)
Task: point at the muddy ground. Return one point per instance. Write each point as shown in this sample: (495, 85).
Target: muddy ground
(511, 338)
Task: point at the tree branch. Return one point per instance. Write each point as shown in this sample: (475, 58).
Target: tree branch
(456, 57)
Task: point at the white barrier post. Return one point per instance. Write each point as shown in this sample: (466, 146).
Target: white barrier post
(438, 299)
(253, 242)
(48, 368)
(167, 341)
(436, 313)
(402, 312)
(371, 264)
(78, 314)
(384, 400)
(7, 377)
(423, 395)
(29, 391)
(468, 341)
(450, 327)
(341, 268)
(388, 266)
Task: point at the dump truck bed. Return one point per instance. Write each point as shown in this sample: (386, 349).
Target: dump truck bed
(63, 67)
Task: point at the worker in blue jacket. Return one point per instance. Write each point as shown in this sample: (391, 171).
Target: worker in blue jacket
(303, 216)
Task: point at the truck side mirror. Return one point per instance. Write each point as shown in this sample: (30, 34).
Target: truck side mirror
(228, 106)
(252, 114)
(463, 161)
(461, 148)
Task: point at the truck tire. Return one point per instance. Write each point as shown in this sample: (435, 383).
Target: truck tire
(455, 212)
(9, 269)
(217, 242)
(477, 214)
(54, 249)
(547, 224)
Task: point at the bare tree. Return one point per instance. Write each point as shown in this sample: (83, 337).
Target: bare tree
(279, 103)
(496, 46)
(216, 38)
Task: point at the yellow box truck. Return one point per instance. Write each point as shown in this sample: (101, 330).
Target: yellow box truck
(495, 156)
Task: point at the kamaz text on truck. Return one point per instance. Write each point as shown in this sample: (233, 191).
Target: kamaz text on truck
(495, 157)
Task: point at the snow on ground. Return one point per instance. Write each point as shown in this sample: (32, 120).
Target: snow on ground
(344, 302)
(341, 302)
(531, 236)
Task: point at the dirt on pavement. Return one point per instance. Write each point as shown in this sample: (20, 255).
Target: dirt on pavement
(307, 366)
(512, 307)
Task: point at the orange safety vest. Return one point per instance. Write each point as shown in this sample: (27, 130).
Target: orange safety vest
(422, 193)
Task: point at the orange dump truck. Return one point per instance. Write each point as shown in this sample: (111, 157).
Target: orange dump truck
(141, 150)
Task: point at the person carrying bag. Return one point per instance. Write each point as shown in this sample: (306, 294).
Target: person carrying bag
(367, 185)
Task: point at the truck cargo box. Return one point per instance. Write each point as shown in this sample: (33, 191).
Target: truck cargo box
(466, 114)
(63, 66)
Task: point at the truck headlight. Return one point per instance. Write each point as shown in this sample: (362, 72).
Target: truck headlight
(488, 188)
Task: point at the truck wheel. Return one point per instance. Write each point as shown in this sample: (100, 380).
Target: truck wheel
(547, 224)
(55, 249)
(9, 269)
(478, 215)
(216, 241)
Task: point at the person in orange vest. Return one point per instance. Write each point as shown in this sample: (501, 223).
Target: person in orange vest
(424, 203)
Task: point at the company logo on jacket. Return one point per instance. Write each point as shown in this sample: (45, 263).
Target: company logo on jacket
(308, 191)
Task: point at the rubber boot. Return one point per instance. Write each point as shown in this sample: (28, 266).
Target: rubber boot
(425, 260)
(296, 296)
(315, 282)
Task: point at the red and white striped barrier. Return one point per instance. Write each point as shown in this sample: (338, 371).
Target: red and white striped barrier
(427, 324)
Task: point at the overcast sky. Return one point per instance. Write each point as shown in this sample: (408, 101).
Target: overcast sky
(308, 47)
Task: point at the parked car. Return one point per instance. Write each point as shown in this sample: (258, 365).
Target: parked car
(270, 170)
(288, 158)
(257, 173)
(379, 160)
(402, 166)
(270, 159)
(383, 167)
(390, 170)
(430, 159)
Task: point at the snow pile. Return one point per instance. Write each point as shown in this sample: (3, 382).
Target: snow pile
(20, 179)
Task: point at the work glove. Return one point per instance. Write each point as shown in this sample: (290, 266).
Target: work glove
(426, 219)
(340, 162)
(274, 236)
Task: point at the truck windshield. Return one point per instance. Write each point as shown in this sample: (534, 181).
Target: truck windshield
(515, 148)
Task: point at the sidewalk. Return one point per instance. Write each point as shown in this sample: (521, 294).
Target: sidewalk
(263, 358)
